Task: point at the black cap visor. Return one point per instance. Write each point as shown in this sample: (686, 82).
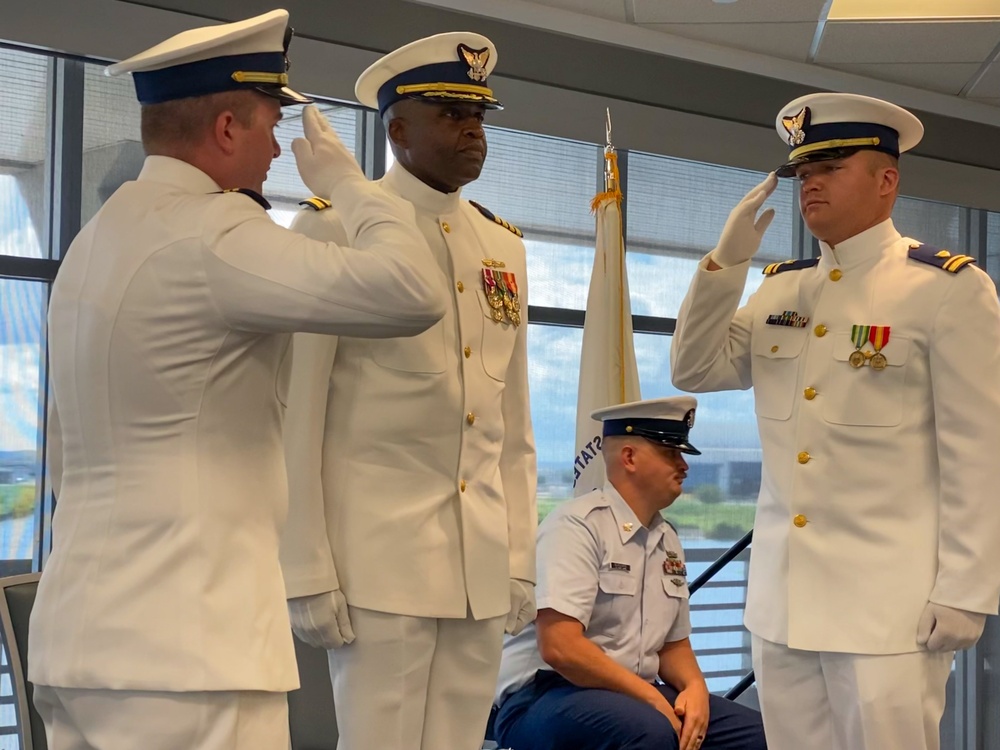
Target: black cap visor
(829, 154)
(285, 96)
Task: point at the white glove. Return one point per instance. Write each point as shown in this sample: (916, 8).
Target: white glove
(744, 230)
(947, 629)
(321, 620)
(324, 163)
(522, 606)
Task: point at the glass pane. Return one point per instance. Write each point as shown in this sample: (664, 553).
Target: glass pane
(675, 212)
(112, 149)
(23, 153)
(553, 375)
(284, 188)
(934, 223)
(559, 274)
(543, 185)
(22, 346)
(993, 246)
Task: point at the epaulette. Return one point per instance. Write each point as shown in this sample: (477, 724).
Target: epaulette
(935, 256)
(496, 219)
(316, 203)
(257, 197)
(789, 265)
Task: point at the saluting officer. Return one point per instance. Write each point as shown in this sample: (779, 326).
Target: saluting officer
(160, 621)
(608, 662)
(412, 461)
(874, 369)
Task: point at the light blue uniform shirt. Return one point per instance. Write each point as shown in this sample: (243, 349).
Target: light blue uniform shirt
(627, 584)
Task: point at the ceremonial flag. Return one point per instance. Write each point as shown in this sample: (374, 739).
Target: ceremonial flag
(608, 373)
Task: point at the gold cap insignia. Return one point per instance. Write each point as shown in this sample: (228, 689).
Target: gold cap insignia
(476, 60)
(796, 126)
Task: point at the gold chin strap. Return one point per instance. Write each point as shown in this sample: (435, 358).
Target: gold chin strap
(247, 76)
(835, 143)
(431, 89)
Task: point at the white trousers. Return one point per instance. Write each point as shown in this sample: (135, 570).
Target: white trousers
(415, 683)
(79, 719)
(831, 701)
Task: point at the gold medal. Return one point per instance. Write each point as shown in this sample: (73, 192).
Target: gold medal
(857, 359)
(879, 337)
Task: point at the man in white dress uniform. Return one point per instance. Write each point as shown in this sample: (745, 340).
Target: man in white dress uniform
(160, 621)
(411, 462)
(874, 369)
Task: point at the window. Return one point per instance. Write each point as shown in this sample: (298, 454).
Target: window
(284, 188)
(675, 212)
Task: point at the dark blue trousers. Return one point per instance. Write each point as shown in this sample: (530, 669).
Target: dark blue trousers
(551, 713)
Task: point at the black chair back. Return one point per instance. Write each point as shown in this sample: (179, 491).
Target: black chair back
(15, 610)
(312, 719)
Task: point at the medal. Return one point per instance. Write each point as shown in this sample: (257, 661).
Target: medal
(879, 336)
(493, 295)
(859, 336)
(513, 301)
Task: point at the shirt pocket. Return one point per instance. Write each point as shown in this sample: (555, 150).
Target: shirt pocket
(420, 354)
(864, 396)
(775, 354)
(498, 340)
(674, 589)
(616, 584)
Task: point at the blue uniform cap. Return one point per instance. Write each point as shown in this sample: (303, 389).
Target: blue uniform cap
(451, 67)
(246, 55)
(667, 421)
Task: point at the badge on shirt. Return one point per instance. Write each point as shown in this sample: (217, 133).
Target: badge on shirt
(674, 566)
(788, 318)
(624, 567)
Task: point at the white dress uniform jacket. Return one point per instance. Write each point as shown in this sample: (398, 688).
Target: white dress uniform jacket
(878, 489)
(412, 462)
(168, 324)
(627, 584)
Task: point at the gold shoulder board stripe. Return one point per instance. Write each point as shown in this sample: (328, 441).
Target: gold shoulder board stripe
(316, 203)
(496, 219)
(957, 262)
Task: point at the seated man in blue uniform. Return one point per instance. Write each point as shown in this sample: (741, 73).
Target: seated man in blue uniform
(608, 663)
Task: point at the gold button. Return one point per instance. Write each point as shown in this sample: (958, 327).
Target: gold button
(470, 418)
(810, 393)
(820, 330)
(460, 286)
(445, 227)
(836, 274)
(468, 352)
(800, 520)
(774, 348)
(461, 485)
(804, 457)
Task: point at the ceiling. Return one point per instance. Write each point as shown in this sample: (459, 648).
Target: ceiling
(953, 57)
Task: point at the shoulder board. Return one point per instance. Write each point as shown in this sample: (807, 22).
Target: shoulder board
(257, 197)
(789, 265)
(496, 219)
(935, 256)
(316, 203)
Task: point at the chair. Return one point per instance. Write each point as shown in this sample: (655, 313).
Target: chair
(15, 609)
(312, 720)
